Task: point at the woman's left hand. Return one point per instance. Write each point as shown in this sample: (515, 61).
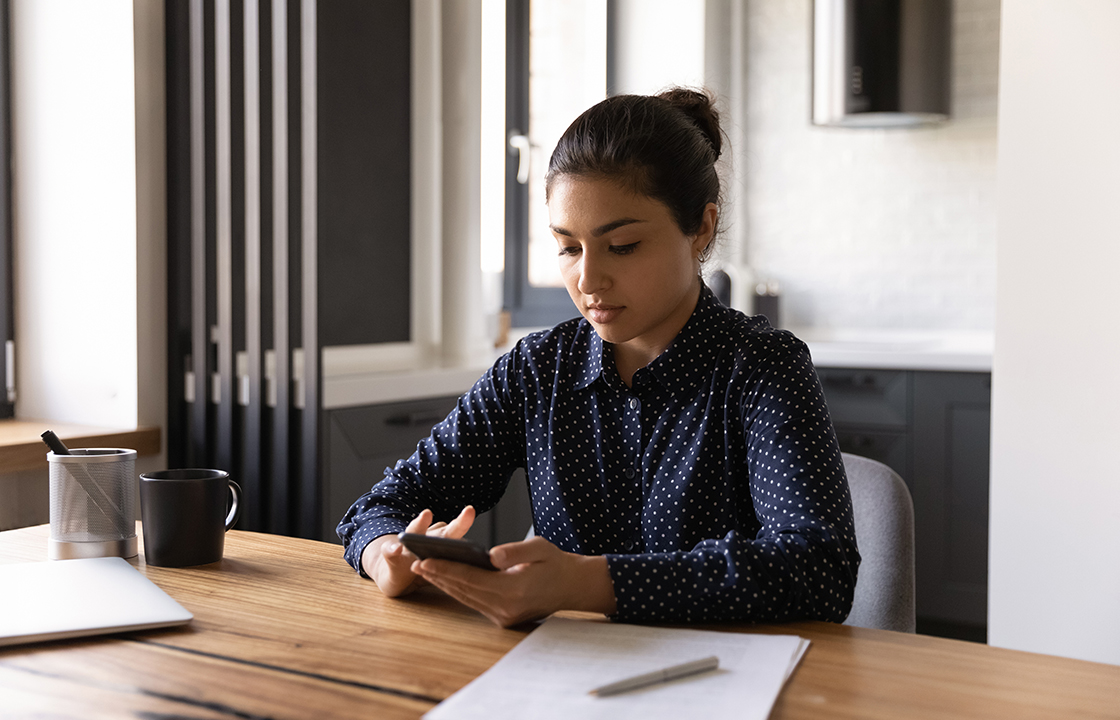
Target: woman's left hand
(534, 579)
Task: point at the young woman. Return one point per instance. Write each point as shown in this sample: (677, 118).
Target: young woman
(680, 458)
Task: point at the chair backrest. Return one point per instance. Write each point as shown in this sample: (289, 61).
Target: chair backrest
(884, 517)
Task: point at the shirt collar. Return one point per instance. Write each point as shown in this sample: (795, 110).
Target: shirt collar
(687, 359)
(693, 352)
(593, 362)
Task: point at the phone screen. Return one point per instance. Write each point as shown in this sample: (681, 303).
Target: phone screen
(431, 546)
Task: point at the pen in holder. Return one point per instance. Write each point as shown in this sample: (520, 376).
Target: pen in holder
(92, 503)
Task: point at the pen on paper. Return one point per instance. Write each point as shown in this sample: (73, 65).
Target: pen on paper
(658, 676)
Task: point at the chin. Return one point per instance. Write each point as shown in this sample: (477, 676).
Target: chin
(611, 333)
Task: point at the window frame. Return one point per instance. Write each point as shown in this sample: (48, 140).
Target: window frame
(528, 306)
(7, 300)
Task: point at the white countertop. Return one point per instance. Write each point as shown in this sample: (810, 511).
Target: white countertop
(385, 387)
(960, 351)
(945, 350)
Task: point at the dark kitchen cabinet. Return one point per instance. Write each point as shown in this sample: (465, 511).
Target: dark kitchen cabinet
(362, 441)
(951, 439)
(932, 428)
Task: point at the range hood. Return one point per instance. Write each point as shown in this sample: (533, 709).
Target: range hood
(881, 63)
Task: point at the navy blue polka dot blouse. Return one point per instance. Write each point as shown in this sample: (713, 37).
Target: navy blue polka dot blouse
(713, 485)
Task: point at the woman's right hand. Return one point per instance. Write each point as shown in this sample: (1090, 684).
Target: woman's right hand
(389, 563)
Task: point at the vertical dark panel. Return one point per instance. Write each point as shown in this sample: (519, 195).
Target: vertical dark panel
(517, 122)
(267, 359)
(247, 226)
(200, 332)
(210, 140)
(238, 365)
(364, 178)
(177, 43)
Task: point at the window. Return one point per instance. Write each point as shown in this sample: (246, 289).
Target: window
(557, 67)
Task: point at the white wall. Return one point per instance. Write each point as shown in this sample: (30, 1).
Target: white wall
(464, 333)
(661, 44)
(869, 228)
(1054, 571)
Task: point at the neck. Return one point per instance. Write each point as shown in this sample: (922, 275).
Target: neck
(632, 355)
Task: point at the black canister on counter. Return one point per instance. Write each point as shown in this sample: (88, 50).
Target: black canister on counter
(767, 301)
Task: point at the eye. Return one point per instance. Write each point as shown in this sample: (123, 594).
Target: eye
(625, 249)
(567, 250)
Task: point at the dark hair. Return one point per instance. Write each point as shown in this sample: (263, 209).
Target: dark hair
(662, 146)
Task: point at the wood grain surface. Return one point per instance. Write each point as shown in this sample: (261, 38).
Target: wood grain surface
(284, 628)
(22, 447)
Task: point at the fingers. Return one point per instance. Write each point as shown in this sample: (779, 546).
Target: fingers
(523, 589)
(397, 556)
(458, 527)
(487, 592)
(389, 565)
(420, 523)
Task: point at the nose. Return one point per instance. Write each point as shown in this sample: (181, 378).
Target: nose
(593, 277)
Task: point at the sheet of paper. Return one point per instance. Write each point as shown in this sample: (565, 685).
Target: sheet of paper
(549, 674)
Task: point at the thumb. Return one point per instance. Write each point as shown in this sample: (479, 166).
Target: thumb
(532, 550)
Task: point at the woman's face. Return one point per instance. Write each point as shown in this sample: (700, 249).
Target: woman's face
(626, 264)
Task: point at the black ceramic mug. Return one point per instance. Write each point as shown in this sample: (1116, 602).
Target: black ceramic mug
(185, 517)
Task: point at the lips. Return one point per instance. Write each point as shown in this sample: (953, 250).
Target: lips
(602, 313)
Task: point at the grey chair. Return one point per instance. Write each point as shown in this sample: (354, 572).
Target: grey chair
(884, 517)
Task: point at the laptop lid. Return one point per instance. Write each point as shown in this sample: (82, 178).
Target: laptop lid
(70, 598)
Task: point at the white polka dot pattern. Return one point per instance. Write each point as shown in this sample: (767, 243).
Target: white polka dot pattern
(714, 485)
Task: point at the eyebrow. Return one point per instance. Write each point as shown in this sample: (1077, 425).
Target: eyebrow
(601, 230)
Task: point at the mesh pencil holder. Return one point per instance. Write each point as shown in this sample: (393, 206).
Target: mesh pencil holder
(93, 503)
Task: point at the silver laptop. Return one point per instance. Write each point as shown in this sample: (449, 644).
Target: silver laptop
(70, 598)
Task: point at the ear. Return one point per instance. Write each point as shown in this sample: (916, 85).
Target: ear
(707, 232)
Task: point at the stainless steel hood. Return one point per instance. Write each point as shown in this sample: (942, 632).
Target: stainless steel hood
(881, 63)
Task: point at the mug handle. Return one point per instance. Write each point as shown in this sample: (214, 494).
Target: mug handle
(235, 510)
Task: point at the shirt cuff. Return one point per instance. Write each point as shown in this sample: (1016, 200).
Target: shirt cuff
(646, 586)
(367, 534)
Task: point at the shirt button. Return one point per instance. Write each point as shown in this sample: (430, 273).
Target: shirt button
(633, 403)
(629, 473)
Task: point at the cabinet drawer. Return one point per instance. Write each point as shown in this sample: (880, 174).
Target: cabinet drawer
(391, 428)
(866, 397)
(362, 441)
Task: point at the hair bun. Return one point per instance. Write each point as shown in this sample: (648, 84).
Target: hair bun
(700, 106)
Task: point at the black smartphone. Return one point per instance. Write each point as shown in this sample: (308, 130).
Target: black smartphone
(432, 546)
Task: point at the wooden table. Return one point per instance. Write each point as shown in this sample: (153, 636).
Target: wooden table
(284, 629)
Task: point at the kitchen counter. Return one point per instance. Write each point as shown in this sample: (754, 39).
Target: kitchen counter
(952, 350)
(384, 387)
(960, 351)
